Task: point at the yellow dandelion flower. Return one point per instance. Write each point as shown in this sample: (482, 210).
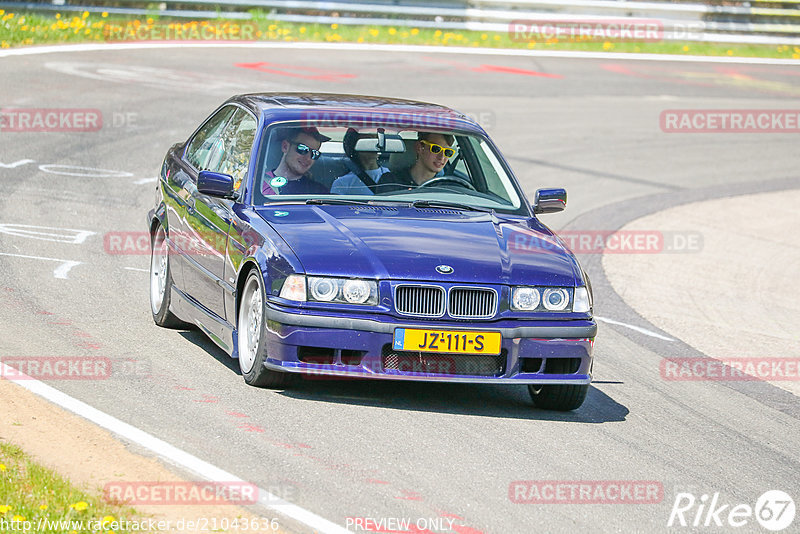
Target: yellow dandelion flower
(437, 33)
(392, 31)
(374, 32)
(4, 508)
(2, 11)
(531, 44)
(10, 16)
(334, 26)
(58, 15)
(797, 50)
(42, 507)
(104, 14)
(360, 40)
(272, 27)
(85, 15)
(302, 29)
(108, 519)
(730, 52)
(414, 31)
(496, 37)
(73, 532)
(80, 506)
(288, 38)
(795, 56)
(608, 45)
(18, 518)
(87, 31)
(150, 21)
(484, 37)
(2, 467)
(685, 48)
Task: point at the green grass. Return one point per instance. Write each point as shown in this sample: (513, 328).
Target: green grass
(30, 492)
(24, 29)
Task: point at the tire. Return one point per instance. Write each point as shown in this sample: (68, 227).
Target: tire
(161, 282)
(559, 397)
(251, 342)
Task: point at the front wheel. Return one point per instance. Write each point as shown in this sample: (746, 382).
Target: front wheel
(559, 397)
(251, 342)
(161, 282)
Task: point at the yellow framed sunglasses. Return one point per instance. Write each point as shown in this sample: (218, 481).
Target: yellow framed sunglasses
(435, 149)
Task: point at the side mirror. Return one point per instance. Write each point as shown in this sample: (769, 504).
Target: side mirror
(549, 200)
(215, 184)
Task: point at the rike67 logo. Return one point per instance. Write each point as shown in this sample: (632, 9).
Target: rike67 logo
(774, 510)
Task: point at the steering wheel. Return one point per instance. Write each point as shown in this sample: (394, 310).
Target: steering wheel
(452, 179)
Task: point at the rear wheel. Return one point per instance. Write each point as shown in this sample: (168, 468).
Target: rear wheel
(560, 397)
(251, 338)
(161, 282)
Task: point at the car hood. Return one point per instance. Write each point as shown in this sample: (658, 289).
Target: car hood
(409, 243)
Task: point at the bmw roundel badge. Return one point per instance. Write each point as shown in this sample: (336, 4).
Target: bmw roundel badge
(444, 269)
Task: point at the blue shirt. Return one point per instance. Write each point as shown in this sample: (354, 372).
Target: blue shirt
(351, 184)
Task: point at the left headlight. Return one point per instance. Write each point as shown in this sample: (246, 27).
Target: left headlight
(330, 289)
(550, 299)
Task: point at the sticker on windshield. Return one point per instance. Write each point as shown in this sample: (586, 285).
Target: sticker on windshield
(281, 213)
(278, 181)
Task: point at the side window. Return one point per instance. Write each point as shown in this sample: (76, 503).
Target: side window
(204, 146)
(236, 145)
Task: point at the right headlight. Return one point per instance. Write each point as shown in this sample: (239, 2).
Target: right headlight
(550, 299)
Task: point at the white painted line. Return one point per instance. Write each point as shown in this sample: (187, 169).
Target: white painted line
(163, 449)
(416, 49)
(59, 272)
(16, 163)
(145, 181)
(632, 327)
(59, 235)
(137, 269)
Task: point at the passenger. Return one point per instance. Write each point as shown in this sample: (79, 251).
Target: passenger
(433, 150)
(300, 147)
(364, 169)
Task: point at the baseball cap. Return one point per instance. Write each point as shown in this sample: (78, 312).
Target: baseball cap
(291, 133)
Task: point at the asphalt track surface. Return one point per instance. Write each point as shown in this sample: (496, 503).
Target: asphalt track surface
(403, 450)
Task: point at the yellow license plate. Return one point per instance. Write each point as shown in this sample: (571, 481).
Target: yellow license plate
(449, 341)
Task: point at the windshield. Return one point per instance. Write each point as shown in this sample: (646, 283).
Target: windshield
(339, 165)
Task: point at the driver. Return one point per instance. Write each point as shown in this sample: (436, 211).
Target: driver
(433, 150)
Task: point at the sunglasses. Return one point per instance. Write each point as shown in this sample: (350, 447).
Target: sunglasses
(302, 149)
(435, 149)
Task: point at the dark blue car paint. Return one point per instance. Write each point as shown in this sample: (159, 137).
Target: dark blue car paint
(387, 244)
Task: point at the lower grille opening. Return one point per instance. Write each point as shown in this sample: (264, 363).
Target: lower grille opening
(318, 355)
(352, 357)
(443, 364)
(562, 366)
(530, 365)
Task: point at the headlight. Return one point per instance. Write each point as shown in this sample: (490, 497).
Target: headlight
(323, 289)
(329, 289)
(294, 288)
(555, 298)
(525, 298)
(581, 301)
(356, 291)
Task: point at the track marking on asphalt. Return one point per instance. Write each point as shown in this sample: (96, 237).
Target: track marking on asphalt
(87, 172)
(15, 164)
(58, 235)
(145, 181)
(59, 272)
(352, 47)
(137, 269)
(632, 327)
(168, 452)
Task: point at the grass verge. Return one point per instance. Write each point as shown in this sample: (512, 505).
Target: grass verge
(36, 499)
(25, 29)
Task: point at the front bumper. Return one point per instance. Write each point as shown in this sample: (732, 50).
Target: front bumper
(328, 346)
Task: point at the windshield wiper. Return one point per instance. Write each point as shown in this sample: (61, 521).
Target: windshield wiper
(444, 204)
(340, 201)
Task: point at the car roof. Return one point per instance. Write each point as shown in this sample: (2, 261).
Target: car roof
(342, 108)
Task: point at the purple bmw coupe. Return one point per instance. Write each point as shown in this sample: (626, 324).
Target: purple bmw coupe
(366, 237)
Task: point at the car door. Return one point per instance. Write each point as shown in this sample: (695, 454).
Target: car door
(209, 220)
